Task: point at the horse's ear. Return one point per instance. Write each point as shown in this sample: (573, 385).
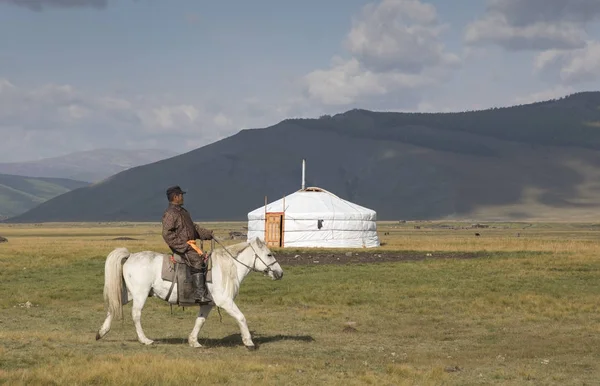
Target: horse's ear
(259, 241)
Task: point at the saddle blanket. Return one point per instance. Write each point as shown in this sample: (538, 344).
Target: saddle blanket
(173, 264)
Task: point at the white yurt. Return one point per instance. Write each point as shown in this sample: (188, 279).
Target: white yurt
(314, 217)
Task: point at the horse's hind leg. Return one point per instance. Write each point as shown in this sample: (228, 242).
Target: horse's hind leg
(105, 326)
(233, 310)
(109, 316)
(136, 314)
(202, 315)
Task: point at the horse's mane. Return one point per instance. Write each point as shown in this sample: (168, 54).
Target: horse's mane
(228, 266)
(234, 249)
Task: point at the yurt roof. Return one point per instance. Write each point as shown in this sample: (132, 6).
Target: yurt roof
(315, 203)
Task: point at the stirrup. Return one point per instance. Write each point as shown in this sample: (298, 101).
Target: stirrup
(203, 297)
(203, 300)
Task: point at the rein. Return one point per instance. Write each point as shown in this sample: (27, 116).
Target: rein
(256, 256)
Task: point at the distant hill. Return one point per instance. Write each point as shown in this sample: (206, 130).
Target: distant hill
(19, 194)
(535, 161)
(90, 166)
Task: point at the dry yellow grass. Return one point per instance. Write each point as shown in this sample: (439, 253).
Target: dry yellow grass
(525, 314)
(544, 237)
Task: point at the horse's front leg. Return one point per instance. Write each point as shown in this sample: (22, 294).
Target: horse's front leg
(232, 309)
(202, 315)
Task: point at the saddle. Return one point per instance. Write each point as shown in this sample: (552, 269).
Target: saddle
(176, 271)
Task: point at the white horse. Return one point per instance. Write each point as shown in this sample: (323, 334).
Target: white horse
(140, 277)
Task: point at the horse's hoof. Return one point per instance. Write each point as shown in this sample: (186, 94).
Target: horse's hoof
(98, 335)
(195, 345)
(251, 348)
(148, 343)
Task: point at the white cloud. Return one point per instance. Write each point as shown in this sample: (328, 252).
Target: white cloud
(523, 12)
(571, 66)
(221, 120)
(39, 5)
(349, 81)
(547, 59)
(5, 85)
(57, 119)
(544, 95)
(169, 118)
(343, 83)
(557, 30)
(394, 45)
(582, 65)
(114, 103)
(534, 24)
(398, 35)
(75, 112)
(495, 29)
(60, 107)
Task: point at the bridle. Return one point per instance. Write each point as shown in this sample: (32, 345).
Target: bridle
(256, 256)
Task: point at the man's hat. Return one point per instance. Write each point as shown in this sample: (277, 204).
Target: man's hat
(174, 189)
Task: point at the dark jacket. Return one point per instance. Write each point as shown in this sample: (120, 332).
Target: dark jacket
(178, 228)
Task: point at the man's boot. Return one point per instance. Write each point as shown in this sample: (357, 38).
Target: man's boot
(201, 293)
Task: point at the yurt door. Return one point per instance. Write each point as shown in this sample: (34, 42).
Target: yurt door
(274, 229)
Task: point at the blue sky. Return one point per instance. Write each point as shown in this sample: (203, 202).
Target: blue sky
(84, 74)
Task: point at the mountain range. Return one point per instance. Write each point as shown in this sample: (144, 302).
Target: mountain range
(18, 194)
(89, 166)
(534, 161)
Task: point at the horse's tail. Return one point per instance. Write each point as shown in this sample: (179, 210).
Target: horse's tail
(113, 281)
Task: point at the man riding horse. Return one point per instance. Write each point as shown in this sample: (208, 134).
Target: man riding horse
(180, 234)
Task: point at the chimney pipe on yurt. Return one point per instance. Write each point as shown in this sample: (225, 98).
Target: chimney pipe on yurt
(303, 173)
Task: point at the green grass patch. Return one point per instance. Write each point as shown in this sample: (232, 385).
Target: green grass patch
(504, 317)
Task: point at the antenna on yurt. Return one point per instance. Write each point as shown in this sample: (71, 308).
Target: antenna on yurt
(303, 173)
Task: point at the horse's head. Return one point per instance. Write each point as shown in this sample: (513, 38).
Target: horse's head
(266, 261)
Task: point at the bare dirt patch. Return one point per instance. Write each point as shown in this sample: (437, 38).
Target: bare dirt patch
(345, 257)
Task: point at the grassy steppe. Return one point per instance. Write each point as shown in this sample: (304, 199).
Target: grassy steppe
(525, 312)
